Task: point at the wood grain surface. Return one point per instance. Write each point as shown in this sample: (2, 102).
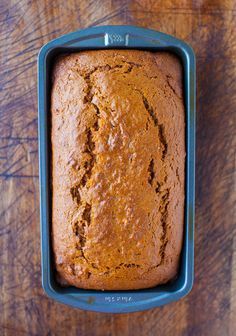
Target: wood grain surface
(210, 27)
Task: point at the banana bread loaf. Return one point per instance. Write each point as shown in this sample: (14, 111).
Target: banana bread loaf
(118, 157)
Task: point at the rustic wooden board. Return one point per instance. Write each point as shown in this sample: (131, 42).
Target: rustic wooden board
(210, 27)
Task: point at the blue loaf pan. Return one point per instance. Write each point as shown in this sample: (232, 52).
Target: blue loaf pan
(120, 37)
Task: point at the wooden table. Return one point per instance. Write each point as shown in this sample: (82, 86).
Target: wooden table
(210, 27)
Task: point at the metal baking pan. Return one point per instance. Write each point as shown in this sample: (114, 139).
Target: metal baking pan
(127, 37)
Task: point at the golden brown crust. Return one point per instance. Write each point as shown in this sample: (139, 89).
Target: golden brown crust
(118, 156)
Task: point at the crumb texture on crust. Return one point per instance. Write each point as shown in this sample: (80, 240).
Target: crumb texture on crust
(118, 157)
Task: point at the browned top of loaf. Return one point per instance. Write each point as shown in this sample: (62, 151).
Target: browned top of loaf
(118, 154)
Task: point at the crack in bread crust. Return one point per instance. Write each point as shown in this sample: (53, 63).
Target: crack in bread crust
(160, 127)
(90, 145)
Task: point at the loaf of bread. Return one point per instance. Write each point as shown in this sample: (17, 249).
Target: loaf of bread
(118, 158)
